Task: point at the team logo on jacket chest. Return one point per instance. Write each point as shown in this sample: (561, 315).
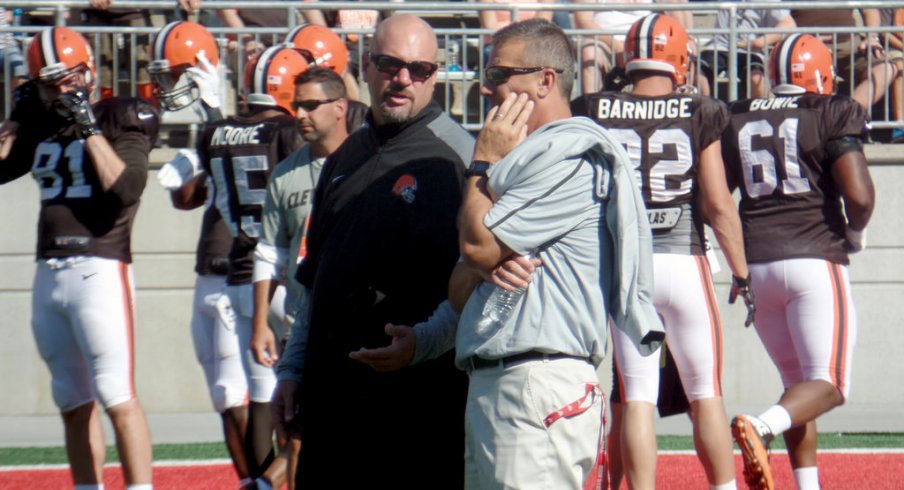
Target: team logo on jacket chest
(405, 188)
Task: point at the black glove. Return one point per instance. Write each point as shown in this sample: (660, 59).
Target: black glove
(27, 105)
(741, 287)
(76, 107)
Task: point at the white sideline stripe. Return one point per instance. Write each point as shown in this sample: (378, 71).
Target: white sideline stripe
(166, 463)
(225, 461)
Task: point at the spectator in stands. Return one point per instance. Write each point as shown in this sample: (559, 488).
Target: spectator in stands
(862, 65)
(751, 49)
(102, 14)
(497, 19)
(11, 58)
(599, 55)
(260, 17)
(895, 53)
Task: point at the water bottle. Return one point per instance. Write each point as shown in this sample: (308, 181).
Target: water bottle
(501, 303)
(454, 50)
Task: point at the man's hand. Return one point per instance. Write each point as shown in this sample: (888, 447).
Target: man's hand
(180, 170)
(190, 6)
(285, 408)
(263, 345)
(207, 79)
(515, 272)
(504, 129)
(75, 106)
(394, 356)
(741, 287)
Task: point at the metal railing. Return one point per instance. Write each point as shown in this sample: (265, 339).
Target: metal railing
(462, 50)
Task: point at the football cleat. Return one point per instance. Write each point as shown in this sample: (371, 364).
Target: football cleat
(755, 452)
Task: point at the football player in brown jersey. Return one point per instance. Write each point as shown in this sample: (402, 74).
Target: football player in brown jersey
(184, 74)
(239, 153)
(806, 198)
(674, 139)
(90, 162)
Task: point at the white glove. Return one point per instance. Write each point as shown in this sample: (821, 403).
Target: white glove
(178, 171)
(856, 240)
(207, 79)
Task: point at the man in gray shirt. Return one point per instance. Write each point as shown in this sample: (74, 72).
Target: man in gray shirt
(549, 185)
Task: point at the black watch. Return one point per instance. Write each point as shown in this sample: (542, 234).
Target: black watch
(478, 168)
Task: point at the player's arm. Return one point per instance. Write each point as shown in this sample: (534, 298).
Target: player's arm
(7, 137)
(851, 175)
(719, 209)
(583, 19)
(192, 195)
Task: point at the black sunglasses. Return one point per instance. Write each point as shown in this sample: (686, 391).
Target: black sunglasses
(390, 65)
(311, 104)
(500, 74)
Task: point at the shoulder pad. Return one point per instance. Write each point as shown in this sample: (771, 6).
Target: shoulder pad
(118, 115)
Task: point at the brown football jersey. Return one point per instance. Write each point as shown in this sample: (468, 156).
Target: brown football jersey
(775, 150)
(78, 217)
(239, 154)
(664, 136)
(214, 244)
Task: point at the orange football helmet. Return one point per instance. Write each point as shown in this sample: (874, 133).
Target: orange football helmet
(801, 63)
(56, 52)
(320, 46)
(657, 42)
(175, 49)
(270, 77)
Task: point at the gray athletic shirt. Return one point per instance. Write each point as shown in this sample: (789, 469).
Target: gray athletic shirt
(564, 194)
(290, 192)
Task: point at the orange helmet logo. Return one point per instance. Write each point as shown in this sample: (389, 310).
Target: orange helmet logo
(801, 63)
(177, 47)
(658, 43)
(56, 52)
(320, 46)
(270, 77)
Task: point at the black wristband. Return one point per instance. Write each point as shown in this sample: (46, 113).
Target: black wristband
(478, 168)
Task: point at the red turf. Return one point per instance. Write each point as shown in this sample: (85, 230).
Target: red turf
(837, 471)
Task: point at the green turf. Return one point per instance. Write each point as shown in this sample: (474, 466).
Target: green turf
(56, 455)
(215, 450)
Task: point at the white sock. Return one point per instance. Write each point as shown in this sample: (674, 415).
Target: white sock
(245, 481)
(140, 486)
(90, 486)
(777, 419)
(263, 484)
(732, 485)
(807, 478)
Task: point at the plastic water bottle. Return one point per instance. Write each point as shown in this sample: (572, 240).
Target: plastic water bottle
(454, 50)
(501, 303)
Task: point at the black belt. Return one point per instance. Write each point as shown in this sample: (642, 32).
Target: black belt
(475, 362)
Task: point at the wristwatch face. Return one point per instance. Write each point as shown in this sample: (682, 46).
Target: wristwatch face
(478, 168)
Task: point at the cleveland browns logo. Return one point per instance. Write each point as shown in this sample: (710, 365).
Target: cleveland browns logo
(405, 187)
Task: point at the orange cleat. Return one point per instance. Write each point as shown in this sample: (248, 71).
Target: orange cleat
(755, 452)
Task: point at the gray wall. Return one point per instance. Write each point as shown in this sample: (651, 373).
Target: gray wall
(169, 379)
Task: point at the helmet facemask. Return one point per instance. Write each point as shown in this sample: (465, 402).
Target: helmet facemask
(173, 87)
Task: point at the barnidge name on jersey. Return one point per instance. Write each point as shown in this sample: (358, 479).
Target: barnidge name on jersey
(673, 108)
(229, 135)
(776, 103)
